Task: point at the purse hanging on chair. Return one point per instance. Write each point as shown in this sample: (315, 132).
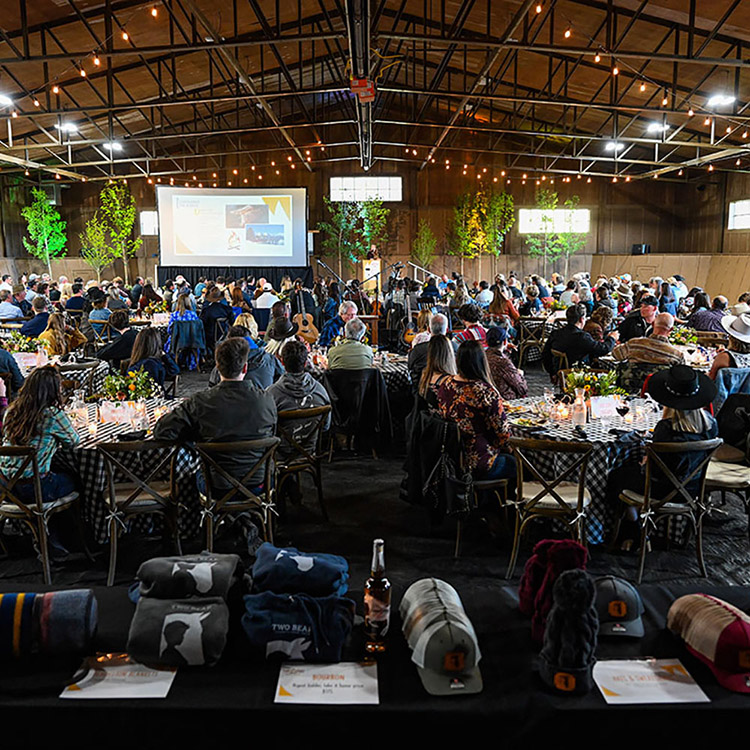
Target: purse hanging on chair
(445, 488)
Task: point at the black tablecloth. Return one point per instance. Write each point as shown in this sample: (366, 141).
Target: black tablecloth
(234, 700)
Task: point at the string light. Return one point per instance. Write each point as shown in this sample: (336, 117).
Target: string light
(307, 153)
(665, 99)
(680, 173)
(273, 163)
(214, 174)
(260, 176)
(464, 172)
(737, 162)
(588, 180)
(229, 183)
(150, 181)
(55, 89)
(523, 176)
(710, 167)
(539, 8)
(289, 158)
(125, 36)
(245, 180)
(14, 113)
(277, 172)
(615, 71)
(597, 57)
(234, 171)
(643, 87)
(36, 102)
(154, 12)
(627, 179)
(744, 135)
(57, 176)
(568, 32)
(580, 176)
(252, 167)
(502, 174)
(707, 121)
(200, 184)
(83, 73)
(614, 179)
(292, 166)
(729, 129)
(690, 112)
(27, 173)
(214, 184)
(97, 62)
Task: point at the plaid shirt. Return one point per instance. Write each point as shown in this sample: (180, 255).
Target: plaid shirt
(55, 431)
(653, 349)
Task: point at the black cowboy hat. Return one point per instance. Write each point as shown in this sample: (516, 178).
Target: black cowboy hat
(682, 387)
(282, 328)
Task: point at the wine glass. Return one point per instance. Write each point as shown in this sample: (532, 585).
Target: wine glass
(623, 408)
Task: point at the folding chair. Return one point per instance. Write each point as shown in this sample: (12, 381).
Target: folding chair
(550, 498)
(130, 495)
(170, 386)
(651, 510)
(34, 514)
(237, 498)
(302, 460)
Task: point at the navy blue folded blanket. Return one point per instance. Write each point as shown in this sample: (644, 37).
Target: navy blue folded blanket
(287, 570)
(298, 626)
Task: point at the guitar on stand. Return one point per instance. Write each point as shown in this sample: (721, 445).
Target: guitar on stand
(408, 326)
(304, 321)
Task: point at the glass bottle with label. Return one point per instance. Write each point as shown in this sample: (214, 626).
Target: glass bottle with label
(377, 601)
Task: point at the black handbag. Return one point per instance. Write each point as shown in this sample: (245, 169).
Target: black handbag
(447, 488)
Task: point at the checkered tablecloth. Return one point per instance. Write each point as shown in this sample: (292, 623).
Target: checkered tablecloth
(88, 463)
(610, 451)
(395, 373)
(81, 377)
(534, 353)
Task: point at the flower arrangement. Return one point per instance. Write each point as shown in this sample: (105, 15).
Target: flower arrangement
(557, 305)
(683, 335)
(594, 383)
(17, 344)
(130, 387)
(156, 307)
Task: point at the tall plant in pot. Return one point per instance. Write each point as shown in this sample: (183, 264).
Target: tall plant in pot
(119, 212)
(46, 229)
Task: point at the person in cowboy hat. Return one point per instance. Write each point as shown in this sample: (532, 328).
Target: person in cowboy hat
(282, 330)
(737, 353)
(684, 393)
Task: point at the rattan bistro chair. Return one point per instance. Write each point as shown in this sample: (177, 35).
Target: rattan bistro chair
(679, 501)
(531, 335)
(555, 498)
(36, 513)
(296, 459)
(130, 495)
(219, 504)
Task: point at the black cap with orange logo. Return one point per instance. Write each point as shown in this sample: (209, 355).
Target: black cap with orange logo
(619, 607)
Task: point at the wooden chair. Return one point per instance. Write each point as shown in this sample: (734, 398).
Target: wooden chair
(729, 476)
(679, 501)
(34, 514)
(170, 386)
(560, 360)
(556, 498)
(237, 498)
(302, 460)
(130, 495)
(530, 336)
(498, 487)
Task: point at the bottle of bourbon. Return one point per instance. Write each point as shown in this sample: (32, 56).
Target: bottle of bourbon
(377, 601)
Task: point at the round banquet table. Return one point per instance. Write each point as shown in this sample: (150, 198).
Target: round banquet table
(393, 367)
(88, 463)
(78, 373)
(610, 451)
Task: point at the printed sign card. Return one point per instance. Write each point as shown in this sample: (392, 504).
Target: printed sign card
(333, 684)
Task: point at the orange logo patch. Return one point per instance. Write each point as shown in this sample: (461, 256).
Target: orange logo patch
(564, 681)
(743, 657)
(454, 661)
(617, 608)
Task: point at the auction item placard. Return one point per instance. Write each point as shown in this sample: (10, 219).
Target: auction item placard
(333, 684)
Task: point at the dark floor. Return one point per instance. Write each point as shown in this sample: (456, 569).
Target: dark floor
(363, 503)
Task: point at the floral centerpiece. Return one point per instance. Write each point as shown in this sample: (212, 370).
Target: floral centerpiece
(156, 307)
(20, 344)
(683, 335)
(557, 305)
(130, 387)
(594, 383)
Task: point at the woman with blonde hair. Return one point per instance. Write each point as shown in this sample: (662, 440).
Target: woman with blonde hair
(58, 339)
(247, 320)
(423, 327)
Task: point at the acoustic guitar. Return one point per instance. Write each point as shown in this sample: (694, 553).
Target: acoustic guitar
(307, 330)
(408, 326)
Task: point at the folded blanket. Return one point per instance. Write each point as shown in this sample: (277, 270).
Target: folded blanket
(203, 575)
(289, 571)
(175, 633)
(58, 622)
(298, 626)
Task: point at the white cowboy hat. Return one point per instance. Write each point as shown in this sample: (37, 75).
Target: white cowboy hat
(740, 308)
(737, 326)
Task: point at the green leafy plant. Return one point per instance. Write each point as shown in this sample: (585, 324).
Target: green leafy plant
(45, 228)
(373, 218)
(338, 233)
(96, 249)
(424, 244)
(545, 244)
(500, 217)
(683, 335)
(570, 242)
(130, 387)
(594, 383)
(17, 343)
(156, 307)
(118, 212)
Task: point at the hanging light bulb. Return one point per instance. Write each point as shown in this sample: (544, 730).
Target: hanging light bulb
(154, 12)
(125, 36)
(737, 163)
(567, 33)
(14, 114)
(615, 71)
(588, 180)
(643, 87)
(26, 172)
(665, 99)
(150, 181)
(680, 173)
(36, 102)
(539, 8)
(690, 112)
(627, 179)
(710, 167)
(55, 89)
(707, 121)
(273, 163)
(288, 158)
(83, 73)
(744, 135)
(597, 57)
(97, 61)
(729, 129)
(234, 171)
(614, 179)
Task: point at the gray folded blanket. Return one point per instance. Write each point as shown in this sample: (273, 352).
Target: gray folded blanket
(203, 575)
(176, 633)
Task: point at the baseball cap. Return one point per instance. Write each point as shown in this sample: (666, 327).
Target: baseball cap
(716, 633)
(649, 299)
(442, 639)
(267, 288)
(619, 607)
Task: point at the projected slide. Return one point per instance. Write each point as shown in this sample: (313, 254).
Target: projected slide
(204, 227)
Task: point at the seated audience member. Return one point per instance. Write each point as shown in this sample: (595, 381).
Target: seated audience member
(737, 353)
(217, 316)
(20, 301)
(572, 340)
(239, 305)
(283, 330)
(684, 393)
(334, 327)
(569, 296)
(509, 380)
(7, 283)
(704, 319)
(182, 313)
(234, 410)
(333, 302)
(263, 368)
(541, 285)
(298, 389)
(624, 300)
(100, 314)
(470, 315)
(667, 301)
(351, 353)
(532, 304)
(148, 296)
(501, 305)
(148, 355)
(599, 323)
(603, 299)
(440, 364)
(59, 338)
(36, 419)
(638, 322)
(418, 354)
(9, 311)
(484, 296)
(301, 299)
(423, 328)
(76, 302)
(168, 294)
(278, 310)
(654, 349)
(137, 289)
(8, 364)
(431, 293)
(121, 346)
(115, 300)
(32, 328)
(266, 299)
(471, 400)
(585, 296)
(248, 321)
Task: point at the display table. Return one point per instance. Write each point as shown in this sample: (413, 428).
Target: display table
(234, 700)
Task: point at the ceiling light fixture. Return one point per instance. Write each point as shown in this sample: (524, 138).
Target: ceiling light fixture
(568, 32)
(597, 57)
(720, 100)
(643, 87)
(67, 127)
(5, 101)
(657, 127)
(97, 62)
(112, 146)
(55, 89)
(614, 146)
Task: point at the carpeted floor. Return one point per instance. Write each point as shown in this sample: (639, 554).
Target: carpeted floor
(362, 496)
